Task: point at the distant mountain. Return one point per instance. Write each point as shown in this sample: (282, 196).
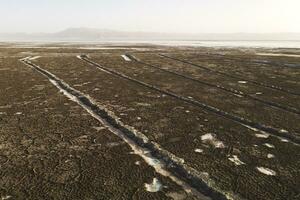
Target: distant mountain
(100, 35)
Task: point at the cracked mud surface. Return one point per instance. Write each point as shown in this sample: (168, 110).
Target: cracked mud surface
(52, 149)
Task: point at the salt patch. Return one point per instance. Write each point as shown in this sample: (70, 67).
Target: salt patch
(143, 104)
(82, 84)
(262, 135)
(270, 156)
(283, 131)
(198, 150)
(126, 58)
(99, 128)
(251, 128)
(269, 145)
(137, 163)
(210, 138)
(284, 140)
(266, 171)
(207, 137)
(237, 95)
(236, 160)
(155, 186)
(6, 197)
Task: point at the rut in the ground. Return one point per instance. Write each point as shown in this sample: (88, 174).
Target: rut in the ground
(229, 90)
(274, 87)
(161, 160)
(293, 137)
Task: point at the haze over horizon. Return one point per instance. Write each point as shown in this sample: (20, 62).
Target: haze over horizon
(169, 16)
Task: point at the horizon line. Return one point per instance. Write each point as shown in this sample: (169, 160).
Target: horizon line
(145, 31)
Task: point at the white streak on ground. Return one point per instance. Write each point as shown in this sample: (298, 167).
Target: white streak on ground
(284, 140)
(283, 131)
(262, 135)
(112, 48)
(266, 171)
(198, 150)
(99, 128)
(143, 104)
(34, 58)
(253, 129)
(236, 160)
(278, 54)
(269, 145)
(79, 57)
(126, 58)
(82, 84)
(237, 95)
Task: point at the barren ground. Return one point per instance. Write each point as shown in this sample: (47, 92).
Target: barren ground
(223, 122)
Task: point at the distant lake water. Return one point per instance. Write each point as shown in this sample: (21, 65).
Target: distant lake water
(250, 44)
(215, 43)
(179, 43)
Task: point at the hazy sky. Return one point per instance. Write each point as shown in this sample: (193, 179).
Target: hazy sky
(195, 16)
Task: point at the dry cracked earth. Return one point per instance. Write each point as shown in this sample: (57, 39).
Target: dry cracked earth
(149, 122)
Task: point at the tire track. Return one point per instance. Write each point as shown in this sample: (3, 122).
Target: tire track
(230, 90)
(240, 120)
(270, 63)
(162, 161)
(274, 87)
(239, 59)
